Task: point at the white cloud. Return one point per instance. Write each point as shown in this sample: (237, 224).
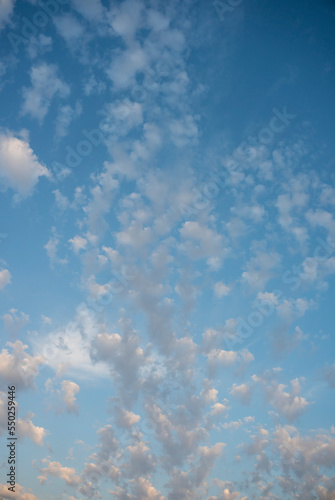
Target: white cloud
(184, 131)
(20, 169)
(68, 348)
(126, 65)
(144, 490)
(6, 10)
(126, 18)
(5, 278)
(78, 243)
(45, 85)
(66, 115)
(46, 320)
(92, 11)
(26, 428)
(221, 290)
(288, 404)
(243, 392)
(55, 469)
(51, 248)
(61, 201)
(220, 408)
(70, 389)
(259, 269)
(20, 493)
(13, 322)
(221, 357)
(69, 28)
(124, 418)
(37, 46)
(200, 241)
(19, 368)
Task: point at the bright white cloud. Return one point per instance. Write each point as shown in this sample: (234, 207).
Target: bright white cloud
(20, 493)
(5, 278)
(6, 10)
(26, 428)
(18, 367)
(70, 389)
(20, 169)
(45, 84)
(221, 290)
(55, 469)
(13, 322)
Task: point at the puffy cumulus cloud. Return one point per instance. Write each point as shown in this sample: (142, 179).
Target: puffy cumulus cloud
(109, 444)
(226, 491)
(179, 432)
(200, 241)
(242, 392)
(221, 290)
(45, 84)
(254, 212)
(136, 235)
(70, 29)
(192, 484)
(126, 18)
(288, 404)
(140, 461)
(316, 450)
(20, 169)
(144, 490)
(182, 359)
(124, 418)
(215, 338)
(51, 248)
(20, 493)
(126, 65)
(56, 469)
(259, 442)
(26, 428)
(123, 115)
(124, 356)
(221, 358)
(18, 367)
(39, 45)
(6, 10)
(78, 243)
(69, 390)
(303, 460)
(92, 11)
(260, 269)
(184, 131)
(5, 278)
(291, 309)
(61, 201)
(100, 201)
(285, 341)
(291, 204)
(236, 424)
(207, 456)
(65, 116)
(14, 322)
(208, 393)
(314, 270)
(220, 408)
(67, 349)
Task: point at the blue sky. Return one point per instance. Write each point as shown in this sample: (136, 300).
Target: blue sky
(167, 248)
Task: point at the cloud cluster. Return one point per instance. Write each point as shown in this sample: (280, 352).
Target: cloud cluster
(20, 169)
